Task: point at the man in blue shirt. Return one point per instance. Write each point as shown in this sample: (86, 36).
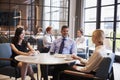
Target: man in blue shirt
(63, 45)
(69, 44)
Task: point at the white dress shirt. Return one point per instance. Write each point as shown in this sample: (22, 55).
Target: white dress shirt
(47, 40)
(80, 42)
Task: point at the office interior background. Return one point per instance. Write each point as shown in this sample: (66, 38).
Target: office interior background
(85, 14)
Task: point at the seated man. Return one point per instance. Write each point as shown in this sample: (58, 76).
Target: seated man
(63, 45)
(48, 39)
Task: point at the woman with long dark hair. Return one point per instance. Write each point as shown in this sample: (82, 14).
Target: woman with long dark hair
(21, 47)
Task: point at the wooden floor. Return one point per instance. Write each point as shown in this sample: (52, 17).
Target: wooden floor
(3, 77)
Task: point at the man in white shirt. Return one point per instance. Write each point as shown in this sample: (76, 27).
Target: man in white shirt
(48, 39)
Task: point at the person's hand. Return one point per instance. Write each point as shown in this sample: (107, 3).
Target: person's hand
(74, 56)
(37, 52)
(31, 52)
(74, 67)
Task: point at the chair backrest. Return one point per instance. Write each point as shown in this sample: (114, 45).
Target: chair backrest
(40, 44)
(5, 52)
(105, 66)
(32, 41)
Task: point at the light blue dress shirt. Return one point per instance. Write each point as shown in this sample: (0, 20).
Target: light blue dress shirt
(69, 46)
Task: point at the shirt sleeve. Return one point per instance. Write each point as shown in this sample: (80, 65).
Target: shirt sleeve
(92, 63)
(46, 41)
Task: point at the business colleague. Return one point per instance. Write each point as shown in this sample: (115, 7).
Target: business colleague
(81, 44)
(39, 33)
(63, 45)
(20, 47)
(80, 41)
(93, 62)
(48, 39)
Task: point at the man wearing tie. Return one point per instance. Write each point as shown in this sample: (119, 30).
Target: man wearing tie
(48, 39)
(63, 45)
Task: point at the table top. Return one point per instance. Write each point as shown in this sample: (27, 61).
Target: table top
(45, 58)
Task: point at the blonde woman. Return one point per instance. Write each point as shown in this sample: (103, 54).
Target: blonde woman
(92, 63)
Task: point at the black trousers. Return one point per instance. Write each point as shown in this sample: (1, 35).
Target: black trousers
(59, 68)
(46, 70)
(45, 50)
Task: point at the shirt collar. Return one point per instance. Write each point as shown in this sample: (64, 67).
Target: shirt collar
(48, 34)
(65, 37)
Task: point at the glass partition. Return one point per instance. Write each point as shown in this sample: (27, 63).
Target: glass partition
(32, 14)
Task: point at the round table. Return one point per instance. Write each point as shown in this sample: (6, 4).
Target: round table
(45, 59)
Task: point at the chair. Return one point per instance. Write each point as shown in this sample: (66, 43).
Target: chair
(102, 73)
(5, 67)
(40, 45)
(32, 40)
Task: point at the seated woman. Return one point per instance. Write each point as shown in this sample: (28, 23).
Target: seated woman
(80, 41)
(93, 62)
(21, 47)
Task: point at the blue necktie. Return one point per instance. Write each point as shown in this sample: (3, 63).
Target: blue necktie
(51, 37)
(61, 46)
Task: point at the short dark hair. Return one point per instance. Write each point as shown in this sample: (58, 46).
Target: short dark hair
(64, 26)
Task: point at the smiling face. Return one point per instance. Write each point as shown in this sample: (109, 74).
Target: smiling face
(79, 34)
(22, 35)
(19, 34)
(64, 32)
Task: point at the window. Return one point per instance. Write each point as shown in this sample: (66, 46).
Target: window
(55, 13)
(105, 15)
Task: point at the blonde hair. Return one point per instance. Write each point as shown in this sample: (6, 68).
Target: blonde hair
(100, 36)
